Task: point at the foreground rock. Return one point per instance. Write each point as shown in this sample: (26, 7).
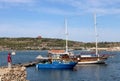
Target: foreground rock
(13, 74)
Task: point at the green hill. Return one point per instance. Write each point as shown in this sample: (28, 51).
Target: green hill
(46, 43)
(34, 43)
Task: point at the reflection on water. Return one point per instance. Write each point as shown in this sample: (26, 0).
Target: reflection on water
(52, 74)
(92, 72)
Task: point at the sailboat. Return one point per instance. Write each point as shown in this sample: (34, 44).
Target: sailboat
(58, 59)
(66, 47)
(90, 58)
(54, 51)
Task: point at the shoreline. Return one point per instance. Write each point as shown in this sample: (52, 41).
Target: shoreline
(47, 50)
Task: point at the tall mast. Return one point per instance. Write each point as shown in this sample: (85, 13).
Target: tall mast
(96, 34)
(66, 33)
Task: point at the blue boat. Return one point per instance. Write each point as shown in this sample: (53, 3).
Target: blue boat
(56, 61)
(56, 65)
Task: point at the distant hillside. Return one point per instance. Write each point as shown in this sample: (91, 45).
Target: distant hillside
(46, 43)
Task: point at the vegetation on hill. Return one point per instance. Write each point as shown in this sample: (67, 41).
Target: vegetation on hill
(46, 43)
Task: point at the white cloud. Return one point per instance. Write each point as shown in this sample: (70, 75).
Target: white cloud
(79, 6)
(32, 29)
(51, 29)
(16, 1)
(88, 6)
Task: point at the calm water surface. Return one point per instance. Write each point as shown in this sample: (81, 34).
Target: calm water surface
(103, 72)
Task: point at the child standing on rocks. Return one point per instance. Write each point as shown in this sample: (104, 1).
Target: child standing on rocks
(9, 60)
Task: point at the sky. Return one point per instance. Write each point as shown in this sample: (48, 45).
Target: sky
(32, 18)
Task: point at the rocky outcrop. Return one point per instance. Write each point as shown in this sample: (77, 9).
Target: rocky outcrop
(13, 74)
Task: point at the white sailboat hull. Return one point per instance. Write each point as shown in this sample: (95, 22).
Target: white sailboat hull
(93, 62)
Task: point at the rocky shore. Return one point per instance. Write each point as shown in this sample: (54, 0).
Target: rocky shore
(13, 74)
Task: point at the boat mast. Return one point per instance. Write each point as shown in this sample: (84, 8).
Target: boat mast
(66, 33)
(96, 34)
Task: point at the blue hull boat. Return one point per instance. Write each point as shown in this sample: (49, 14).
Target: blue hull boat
(56, 65)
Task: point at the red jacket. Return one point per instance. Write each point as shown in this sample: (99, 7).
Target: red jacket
(9, 58)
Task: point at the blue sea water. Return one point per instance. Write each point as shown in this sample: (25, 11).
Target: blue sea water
(92, 72)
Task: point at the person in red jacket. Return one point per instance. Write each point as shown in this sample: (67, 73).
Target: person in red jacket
(9, 59)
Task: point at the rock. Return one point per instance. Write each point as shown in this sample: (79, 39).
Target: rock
(13, 74)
